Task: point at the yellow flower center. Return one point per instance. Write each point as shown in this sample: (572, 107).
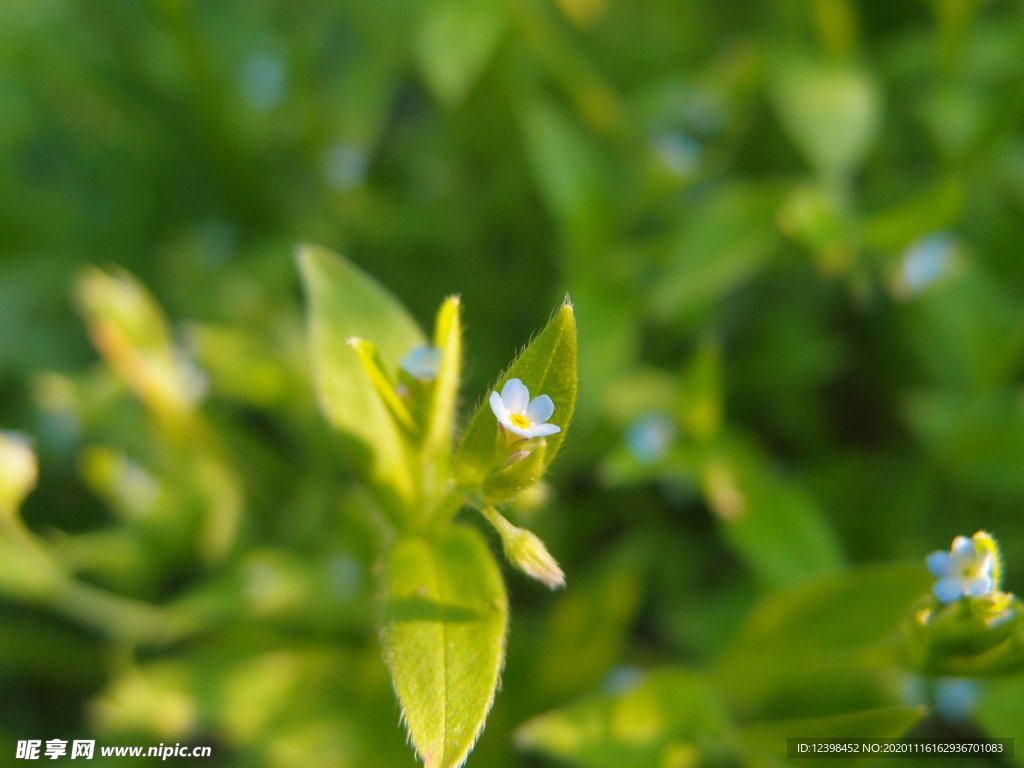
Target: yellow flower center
(519, 420)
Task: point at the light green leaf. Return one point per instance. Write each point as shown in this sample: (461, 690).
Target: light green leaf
(445, 617)
(832, 113)
(667, 719)
(373, 367)
(454, 42)
(547, 367)
(448, 339)
(344, 302)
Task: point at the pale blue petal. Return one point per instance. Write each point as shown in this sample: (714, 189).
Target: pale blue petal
(500, 411)
(542, 430)
(516, 396)
(979, 586)
(963, 548)
(947, 590)
(940, 564)
(540, 409)
(422, 363)
(955, 699)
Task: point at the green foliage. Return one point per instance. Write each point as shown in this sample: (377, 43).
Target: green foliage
(445, 617)
(817, 660)
(346, 304)
(454, 42)
(444, 612)
(668, 718)
(547, 365)
(791, 233)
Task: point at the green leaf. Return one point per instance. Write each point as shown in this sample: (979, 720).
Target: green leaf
(823, 647)
(547, 367)
(570, 172)
(373, 367)
(448, 339)
(769, 520)
(724, 242)
(932, 209)
(129, 329)
(832, 113)
(669, 715)
(701, 392)
(445, 617)
(344, 303)
(454, 42)
(1001, 710)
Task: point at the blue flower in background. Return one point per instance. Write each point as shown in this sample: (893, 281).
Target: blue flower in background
(519, 414)
(650, 437)
(927, 260)
(964, 571)
(422, 363)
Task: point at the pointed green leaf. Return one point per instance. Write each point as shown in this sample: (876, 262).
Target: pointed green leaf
(448, 339)
(373, 366)
(345, 302)
(547, 367)
(669, 714)
(454, 42)
(831, 113)
(445, 618)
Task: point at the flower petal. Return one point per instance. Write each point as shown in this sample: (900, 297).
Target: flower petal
(422, 362)
(541, 430)
(940, 564)
(500, 411)
(963, 549)
(540, 409)
(516, 395)
(947, 590)
(982, 585)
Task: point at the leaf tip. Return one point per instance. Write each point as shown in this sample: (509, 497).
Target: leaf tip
(304, 254)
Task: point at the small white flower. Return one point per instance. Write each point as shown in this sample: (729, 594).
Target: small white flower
(519, 414)
(422, 363)
(964, 571)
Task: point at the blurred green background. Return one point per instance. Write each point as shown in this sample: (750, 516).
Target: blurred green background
(792, 232)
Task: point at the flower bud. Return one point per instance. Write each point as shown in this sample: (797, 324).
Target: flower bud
(526, 551)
